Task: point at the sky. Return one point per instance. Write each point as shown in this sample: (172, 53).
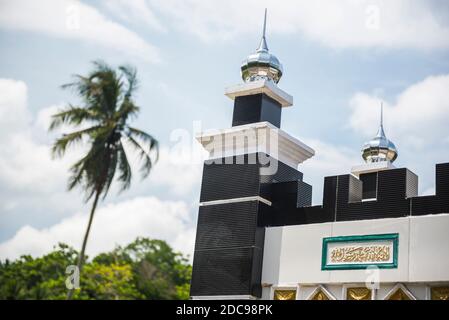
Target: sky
(340, 58)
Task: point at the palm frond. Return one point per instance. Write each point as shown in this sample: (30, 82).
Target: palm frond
(91, 171)
(73, 116)
(61, 144)
(131, 77)
(144, 156)
(127, 110)
(111, 158)
(108, 105)
(147, 138)
(124, 168)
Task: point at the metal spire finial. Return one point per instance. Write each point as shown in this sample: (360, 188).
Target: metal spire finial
(261, 65)
(264, 23)
(381, 132)
(263, 42)
(380, 148)
(381, 114)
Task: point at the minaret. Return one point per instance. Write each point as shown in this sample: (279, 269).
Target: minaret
(379, 154)
(261, 71)
(380, 149)
(249, 165)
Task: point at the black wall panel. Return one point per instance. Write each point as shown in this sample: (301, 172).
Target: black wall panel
(391, 198)
(292, 194)
(355, 192)
(229, 249)
(369, 185)
(284, 173)
(330, 193)
(425, 205)
(304, 198)
(412, 185)
(224, 272)
(439, 203)
(228, 181)
(442, 180)
(256, 108)
(230, 225)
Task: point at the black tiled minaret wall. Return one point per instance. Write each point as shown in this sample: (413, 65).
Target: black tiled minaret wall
(256, 108)
(230, 236)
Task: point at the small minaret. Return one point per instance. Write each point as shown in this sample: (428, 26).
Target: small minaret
(380, 149)
(241, 180)
(261, 71)
(379, 154)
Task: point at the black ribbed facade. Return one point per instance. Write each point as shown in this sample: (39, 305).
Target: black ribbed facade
(229, 250)
(256, 108)
(439, 203)
(230, 236)
(369, 185)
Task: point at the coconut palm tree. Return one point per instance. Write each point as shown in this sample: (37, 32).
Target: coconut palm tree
(102, 122)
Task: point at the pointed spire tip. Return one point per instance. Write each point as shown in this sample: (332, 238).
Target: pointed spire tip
(381, 113)
(263, 42)
(264, 23)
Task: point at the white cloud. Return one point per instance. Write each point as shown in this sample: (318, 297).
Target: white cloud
(179, 176)
(32, 185)
(33, 191)
(13, 106)
(114, 224)
(416, 121)
(417, 117)
(73, 19)
(24, 164)
(135, 10)
(338, 24)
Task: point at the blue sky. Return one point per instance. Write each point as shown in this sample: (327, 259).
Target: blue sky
(340, 59)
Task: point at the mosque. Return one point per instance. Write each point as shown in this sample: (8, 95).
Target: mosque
(259, 237)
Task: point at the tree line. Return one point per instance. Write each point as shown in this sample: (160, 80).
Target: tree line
(143, 269)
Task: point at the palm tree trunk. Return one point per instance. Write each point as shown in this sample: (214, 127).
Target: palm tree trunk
(86, 236)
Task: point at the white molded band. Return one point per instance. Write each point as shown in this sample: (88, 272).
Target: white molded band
(257, 87)
(257, 137)
(371, 167)
(234, 200)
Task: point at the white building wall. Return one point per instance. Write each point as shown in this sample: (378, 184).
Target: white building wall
(292, 256)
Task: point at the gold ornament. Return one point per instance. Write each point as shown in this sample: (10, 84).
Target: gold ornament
(440, 293)
(285, 295)
(358, 294)
(320, 295)
(399, 295)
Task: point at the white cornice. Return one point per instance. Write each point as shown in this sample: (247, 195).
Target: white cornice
(235, 200)
(260, 86)
(371, 167)
(256, 137)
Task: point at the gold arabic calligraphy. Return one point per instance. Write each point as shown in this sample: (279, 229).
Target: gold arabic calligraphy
(360, 254)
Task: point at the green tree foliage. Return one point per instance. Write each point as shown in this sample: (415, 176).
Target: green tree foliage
(102, 123)
(144, 269)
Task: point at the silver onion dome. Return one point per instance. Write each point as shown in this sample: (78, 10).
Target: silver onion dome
(379, 148)
(262, 64)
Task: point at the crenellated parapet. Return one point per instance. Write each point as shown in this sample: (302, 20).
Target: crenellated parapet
(384, 194)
